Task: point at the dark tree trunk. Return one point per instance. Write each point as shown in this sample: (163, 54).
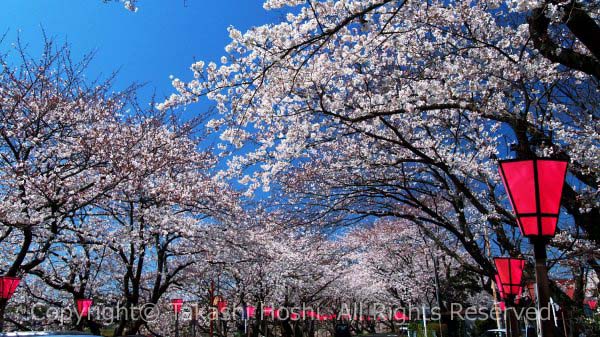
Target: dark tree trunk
(3, 303)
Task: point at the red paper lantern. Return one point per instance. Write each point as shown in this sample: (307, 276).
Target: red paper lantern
(294, 316)
(510, 274)
(177, 304)
(593, 304)
(400, 316)
(83, 306)
(250, 311)
(221, 305)
(535, 188)
(8, 285)
(267, 311)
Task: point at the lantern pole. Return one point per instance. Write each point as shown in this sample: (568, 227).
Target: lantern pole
(541, 271)
(3, 304)
(176, 324)
(543, 286)
(437, 290)
(512, 322)
(494, 294)
(177, 304)
(497, 308)
(424, 321)
(194, 321)
(211, 298)
(520, 177)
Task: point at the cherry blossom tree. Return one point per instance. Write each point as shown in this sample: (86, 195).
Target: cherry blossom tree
(374, 125)
(384, 108)
(157, 218)
(394, 260)
(149, 224)
(258, 263)
(395, 266)
(55, 149)
(93, 187)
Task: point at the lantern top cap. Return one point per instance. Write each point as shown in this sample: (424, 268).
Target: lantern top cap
(531, 159)
(509, 258)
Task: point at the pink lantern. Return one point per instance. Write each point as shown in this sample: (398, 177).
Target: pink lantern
(294, 316)
(8, 285)
(83, 306)
(593, 304)
(177, 304)
(535, 189)
(400, 316)
(221, 306)
(510, 274)
(250, 311)
(267, 311)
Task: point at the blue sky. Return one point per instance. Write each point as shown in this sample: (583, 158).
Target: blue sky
(163, 38)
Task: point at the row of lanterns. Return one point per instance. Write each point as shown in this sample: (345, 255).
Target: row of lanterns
(270, 312)
(177, 305)
(8, 285)
(534, 187)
